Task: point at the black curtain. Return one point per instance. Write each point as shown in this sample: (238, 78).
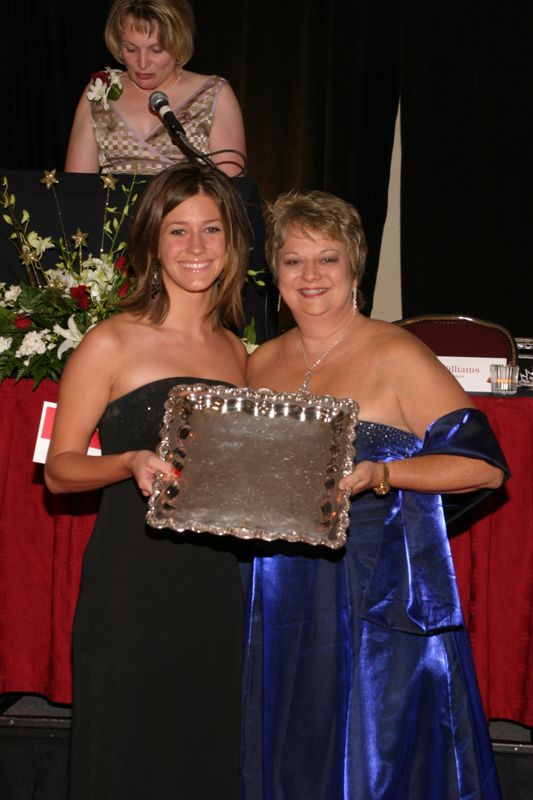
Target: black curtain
(49, 49)
(467, 204)
(318, 81)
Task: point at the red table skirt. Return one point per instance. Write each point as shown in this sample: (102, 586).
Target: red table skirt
(42, 538)
(493, 561)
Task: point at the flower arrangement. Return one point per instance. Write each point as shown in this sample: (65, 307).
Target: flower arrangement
(42, 320)
(105, 85)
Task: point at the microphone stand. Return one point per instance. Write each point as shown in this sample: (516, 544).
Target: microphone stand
(158, 103)
(188, 149)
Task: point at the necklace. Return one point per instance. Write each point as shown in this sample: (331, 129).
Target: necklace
(147, 92)
(309, 370)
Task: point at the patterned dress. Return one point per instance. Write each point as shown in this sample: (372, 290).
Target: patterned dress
(122, 151)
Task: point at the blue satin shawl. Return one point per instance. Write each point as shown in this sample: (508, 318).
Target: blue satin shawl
(358, 677)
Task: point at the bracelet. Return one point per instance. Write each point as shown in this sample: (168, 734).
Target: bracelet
(383, 486)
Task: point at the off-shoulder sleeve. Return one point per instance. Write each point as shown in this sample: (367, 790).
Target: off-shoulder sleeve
(465, 432)
(412, 587)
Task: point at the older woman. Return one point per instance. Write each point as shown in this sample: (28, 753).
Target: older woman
(360, 683)
(158, 627)
(154, 41)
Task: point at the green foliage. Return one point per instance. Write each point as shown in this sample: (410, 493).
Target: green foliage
(43, 320)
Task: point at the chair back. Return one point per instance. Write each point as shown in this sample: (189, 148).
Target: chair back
(454, 335)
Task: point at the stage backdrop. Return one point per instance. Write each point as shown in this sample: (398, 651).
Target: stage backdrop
(319, 83)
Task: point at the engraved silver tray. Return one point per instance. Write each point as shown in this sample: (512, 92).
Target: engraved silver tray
(255, 464)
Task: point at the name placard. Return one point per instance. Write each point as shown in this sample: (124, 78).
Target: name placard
(44, 435)
(473, 373)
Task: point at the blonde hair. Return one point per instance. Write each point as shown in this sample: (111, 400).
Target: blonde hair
(318, 212)
(174, 20)
(166, 191)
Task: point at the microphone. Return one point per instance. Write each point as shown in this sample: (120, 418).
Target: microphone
(159, 104)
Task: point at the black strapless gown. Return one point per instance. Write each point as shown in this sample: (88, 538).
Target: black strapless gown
(157, 643)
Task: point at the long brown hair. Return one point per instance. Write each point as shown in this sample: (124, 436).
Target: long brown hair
(166, 191)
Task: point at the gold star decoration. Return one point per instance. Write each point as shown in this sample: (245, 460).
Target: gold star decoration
(28, 256)
(109, 181)
(79, 238)
(49, 178)
(56, 284)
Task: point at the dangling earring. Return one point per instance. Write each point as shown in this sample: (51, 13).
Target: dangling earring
(279, 302)
(354, 299)
(155, 283)
(220, 280)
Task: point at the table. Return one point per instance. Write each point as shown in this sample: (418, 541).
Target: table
(493, 557)
(42, 538)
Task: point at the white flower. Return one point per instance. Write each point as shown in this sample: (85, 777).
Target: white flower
(12, 294)
(39, 244)
(99, 276)
(97, 91)
(5, 343)
(34, 343)
(97, 269)
(100, 90)
(72, 336)
(249, 347)
(115, 78)
(58, 277)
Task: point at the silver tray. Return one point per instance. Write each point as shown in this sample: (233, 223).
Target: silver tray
(255, 464)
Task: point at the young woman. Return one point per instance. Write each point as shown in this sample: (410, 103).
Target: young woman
(157, 633)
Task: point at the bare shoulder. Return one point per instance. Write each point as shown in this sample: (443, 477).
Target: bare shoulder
(84, 104)
(102, 347)
(110, 332)
(425, 389)
(193, 81)
(87, 378)
(405, 355)
(263, 360)
(394, 347)
(82, 150)
(396, 342)
(238, 348)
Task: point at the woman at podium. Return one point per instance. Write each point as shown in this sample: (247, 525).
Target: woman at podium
(114, 128)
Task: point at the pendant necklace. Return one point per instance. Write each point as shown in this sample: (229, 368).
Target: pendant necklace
(309, 371)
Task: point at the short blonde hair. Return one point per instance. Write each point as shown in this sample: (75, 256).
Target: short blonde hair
(318, 212)
(174, 20)
(167, 190)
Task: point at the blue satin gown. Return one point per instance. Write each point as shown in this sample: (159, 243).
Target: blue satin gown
(359, 680)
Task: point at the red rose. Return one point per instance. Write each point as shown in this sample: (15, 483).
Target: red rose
(103, 75)
(81, 296)
(122, 264)
(23, 323)
(124, 289)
